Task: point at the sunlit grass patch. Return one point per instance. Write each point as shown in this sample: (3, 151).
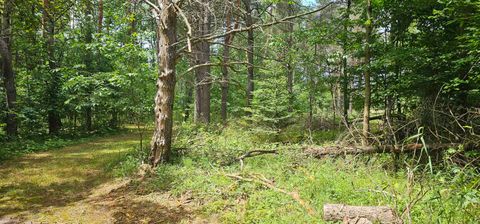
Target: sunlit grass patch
(58, 177)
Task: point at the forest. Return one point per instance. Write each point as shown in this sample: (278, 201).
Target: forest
(240, 111)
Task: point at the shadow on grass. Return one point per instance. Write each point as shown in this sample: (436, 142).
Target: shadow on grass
(33, 197)
(149, 212)
(58, 177)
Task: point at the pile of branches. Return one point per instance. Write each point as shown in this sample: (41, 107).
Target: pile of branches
(456, 130)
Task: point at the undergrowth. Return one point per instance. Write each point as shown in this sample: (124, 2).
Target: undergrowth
(204, 156)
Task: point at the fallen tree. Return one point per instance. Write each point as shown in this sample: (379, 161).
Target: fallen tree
(254, 153)
(338, 150)
(360, 214)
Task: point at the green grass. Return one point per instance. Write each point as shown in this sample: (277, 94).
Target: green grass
(59, 177)
(22, 146)
(204, 158)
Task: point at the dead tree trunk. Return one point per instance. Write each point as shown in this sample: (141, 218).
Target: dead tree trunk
(7, 70)
(360, 214)
(166, 20)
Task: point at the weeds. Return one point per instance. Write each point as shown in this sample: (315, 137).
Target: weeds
(420, 193)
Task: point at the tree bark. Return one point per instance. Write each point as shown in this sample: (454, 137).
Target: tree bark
(360, 214)
(250, 51)
(203, 80)
(345, 81)
(366, 105)
(8, 73)
(166, 20)
(288, 7)
(100, 16)
(53, 88)
(88, 60)
(226, 58)
(188, 98)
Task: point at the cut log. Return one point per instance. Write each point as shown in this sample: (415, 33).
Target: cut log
(360, 214)
(338, 150)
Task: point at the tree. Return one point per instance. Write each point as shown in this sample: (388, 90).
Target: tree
(88, 60)
(228, 40)
(54, 83)
(201, 56)
(250, 51)
(166, 21)
(7, 69)
(345, 78)
(366, 105)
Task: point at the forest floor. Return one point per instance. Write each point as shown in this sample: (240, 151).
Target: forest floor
(75, 184)
(97, 181)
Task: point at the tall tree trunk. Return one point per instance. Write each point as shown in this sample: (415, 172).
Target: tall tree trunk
(333, 92)
(250, 51)
(100, 16)
(345, 80)
(226, 58)
(131, 5)
(366, 105)
(7, 70)
(203, 80)
(225, 83)
(188, 98)
(311, 98)
(166, 20)
(291, 96)
(88, 60)
(53, 88)
(288, 57)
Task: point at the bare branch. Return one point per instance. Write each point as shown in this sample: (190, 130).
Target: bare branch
(257, 26)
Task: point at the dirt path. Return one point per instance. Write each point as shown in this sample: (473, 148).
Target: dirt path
(75, 185)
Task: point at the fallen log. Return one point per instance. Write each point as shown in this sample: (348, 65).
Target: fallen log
(360, 214)
(254, 153)
(379, 117)
(338, 150)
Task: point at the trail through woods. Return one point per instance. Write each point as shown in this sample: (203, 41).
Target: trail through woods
(75, 185)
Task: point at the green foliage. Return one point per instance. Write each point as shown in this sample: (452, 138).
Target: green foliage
(205, 156)
(270, 106)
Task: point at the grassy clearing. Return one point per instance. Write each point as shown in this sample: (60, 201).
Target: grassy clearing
(22, 146)
(56, 178)
(204, 157)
